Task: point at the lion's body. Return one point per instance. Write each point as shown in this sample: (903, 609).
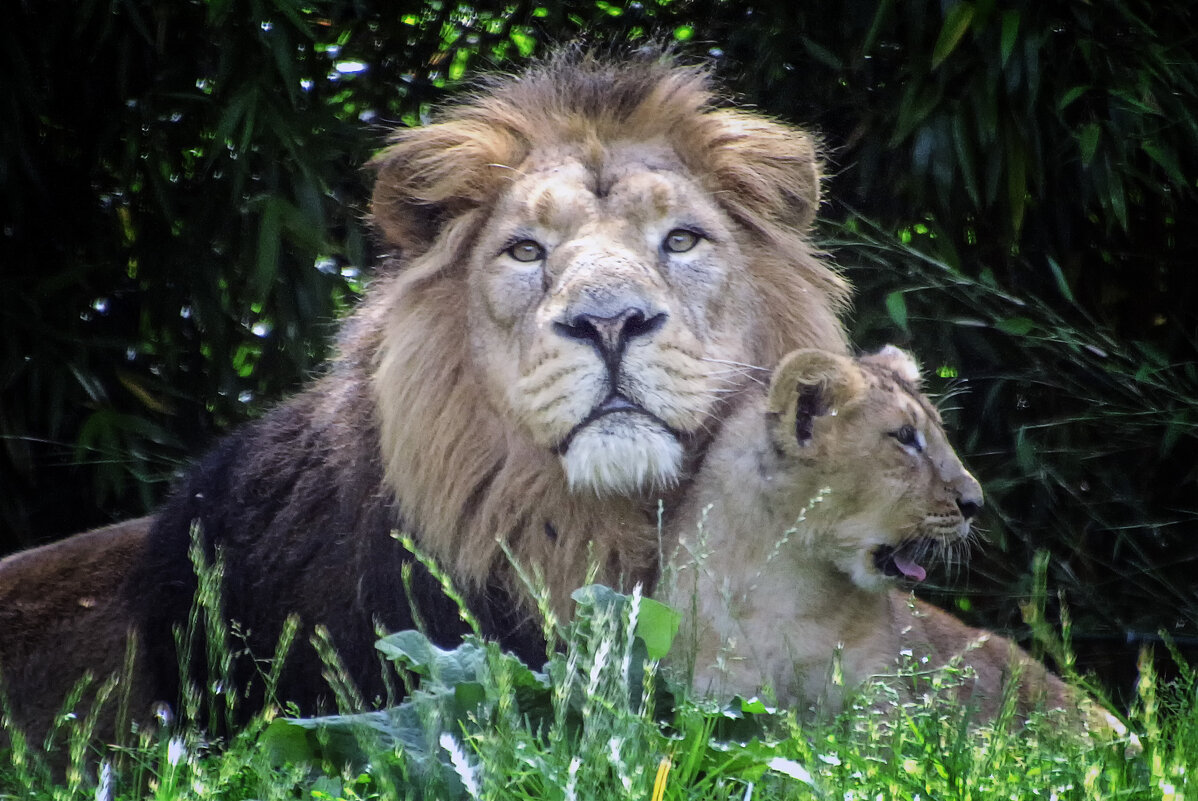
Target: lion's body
(585, 259)
(62, 616)
(811, 500)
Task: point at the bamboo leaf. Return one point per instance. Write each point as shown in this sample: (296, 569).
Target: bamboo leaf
(896, 307)
(822, 54)
(1010, 33)
(1016, 326)
(1062, 283)
(965, 158)
(875, 28)
(1167, 159)
(1070, 96)
(1016, 180)
(1088, 141)
(955, 25)
(269, 246)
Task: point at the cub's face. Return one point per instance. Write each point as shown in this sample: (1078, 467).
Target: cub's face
(897, 493)
(611, 311)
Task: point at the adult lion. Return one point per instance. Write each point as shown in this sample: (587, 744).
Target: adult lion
(587, 258)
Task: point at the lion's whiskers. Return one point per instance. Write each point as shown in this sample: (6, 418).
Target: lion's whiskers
(735, 364)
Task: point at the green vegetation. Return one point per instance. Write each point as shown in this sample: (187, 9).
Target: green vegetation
(602, 720)
(1011, 189)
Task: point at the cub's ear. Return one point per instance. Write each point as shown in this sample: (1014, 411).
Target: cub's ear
(897, 361)
(428, 176)
(808, 384)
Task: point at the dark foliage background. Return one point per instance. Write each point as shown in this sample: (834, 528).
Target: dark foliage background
(1013, 193)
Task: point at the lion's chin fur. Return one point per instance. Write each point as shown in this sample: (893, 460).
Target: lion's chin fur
(616, 455)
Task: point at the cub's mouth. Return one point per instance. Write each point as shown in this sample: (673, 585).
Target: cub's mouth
(904, 559)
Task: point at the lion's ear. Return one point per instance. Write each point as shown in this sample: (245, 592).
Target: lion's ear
(808, 384)
(429, 175)
(771, 171)
(897, 361)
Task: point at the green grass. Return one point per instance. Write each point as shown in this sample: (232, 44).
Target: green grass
(604, 721)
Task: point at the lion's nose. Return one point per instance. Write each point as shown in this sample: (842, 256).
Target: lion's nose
(610, 335)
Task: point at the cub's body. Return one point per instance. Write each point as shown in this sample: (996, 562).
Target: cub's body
(813, 499)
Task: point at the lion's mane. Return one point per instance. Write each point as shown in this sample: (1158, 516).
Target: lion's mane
(399, 434)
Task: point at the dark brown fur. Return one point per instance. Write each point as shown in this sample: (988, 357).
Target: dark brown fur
(63, 617)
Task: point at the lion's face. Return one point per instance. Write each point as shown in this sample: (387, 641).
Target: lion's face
(589, 258)
(608, 303)
(897, 492)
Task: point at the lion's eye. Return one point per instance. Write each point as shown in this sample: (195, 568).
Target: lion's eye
(526, 250)
(910, 437)
(680, 240)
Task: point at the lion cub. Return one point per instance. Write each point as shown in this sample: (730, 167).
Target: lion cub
(814, 499)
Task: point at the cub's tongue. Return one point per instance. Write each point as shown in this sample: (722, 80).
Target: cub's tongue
(908, 566)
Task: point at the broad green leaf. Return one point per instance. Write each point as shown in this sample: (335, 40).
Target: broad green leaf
(657, 624)
(448, 668)
(752, 706)
(956, 23)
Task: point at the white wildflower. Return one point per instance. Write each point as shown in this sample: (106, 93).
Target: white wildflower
(176, 750)
(572, 779)
(105, 784)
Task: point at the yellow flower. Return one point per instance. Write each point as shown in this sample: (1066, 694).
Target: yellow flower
(659, 785)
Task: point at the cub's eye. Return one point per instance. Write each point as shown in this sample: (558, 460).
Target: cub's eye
(526, 250)
(908, 436)
(680, 240)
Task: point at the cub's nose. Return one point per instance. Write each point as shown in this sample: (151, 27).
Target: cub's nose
(969, 507)
(609, 335)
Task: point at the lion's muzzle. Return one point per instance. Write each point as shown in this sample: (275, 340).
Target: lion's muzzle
(610, 334)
